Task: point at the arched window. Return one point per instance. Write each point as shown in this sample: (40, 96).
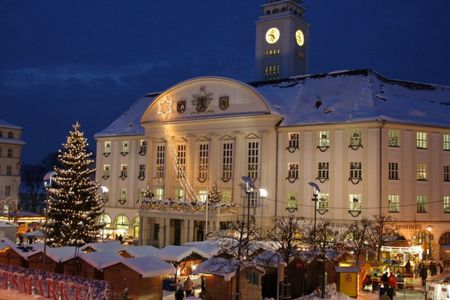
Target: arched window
(105, 219)
(122, 222)
(445, 239)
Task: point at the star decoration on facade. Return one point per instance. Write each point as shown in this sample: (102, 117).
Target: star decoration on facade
(165, 107)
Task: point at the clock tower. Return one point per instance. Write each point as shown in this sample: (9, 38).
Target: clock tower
(282, 38)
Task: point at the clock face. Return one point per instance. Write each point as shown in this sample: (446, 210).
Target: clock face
(272, 35)
(300, 37)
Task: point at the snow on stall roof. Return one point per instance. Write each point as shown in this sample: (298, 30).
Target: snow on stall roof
(61, 254)
(105, 246)
(101, 260)
(6, 124)
(129, 122)
(210, 248)
(140, 251)
(178, 253)
(269, 259)
(149, 266)
(24, 251)
(218, 266)
(356, 96)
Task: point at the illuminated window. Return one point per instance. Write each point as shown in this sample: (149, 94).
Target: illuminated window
(142, 193)
(107, 148)
(272, 72)
(324, 171)
(394, 138)
(394, 203)
(159, 193)
(446, 203)
(122, 222)
(421, 171)
(356, 139)
(105, 220)
(143, 147)
(181, 161)
(125, 148)
(393, 171)
(322, 201)
(293, 140)
(203, 162)
(421, 204)
(355, 202)
(447, 173)
(292, 200)
(421, 140)
(160, 161)
(202, 195)
(292, 172)
(9, 153)
(141, 171)
(179, 194)
(106, 173)
(446, 142)
(253, 159)
(8, 170)
(123, 171)
(123, 196)
(227, 161)
(324, 139)
(355, 170)
(226, 196)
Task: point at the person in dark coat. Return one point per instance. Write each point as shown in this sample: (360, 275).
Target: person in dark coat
(423, 274)
(179, 295)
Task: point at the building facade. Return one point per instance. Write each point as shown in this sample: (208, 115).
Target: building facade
(10, 157)
(172, 165)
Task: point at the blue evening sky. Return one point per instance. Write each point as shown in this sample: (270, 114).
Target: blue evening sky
(63, 61)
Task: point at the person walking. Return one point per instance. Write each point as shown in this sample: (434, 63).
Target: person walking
(391, 286)
(423, 274)
(187, 286)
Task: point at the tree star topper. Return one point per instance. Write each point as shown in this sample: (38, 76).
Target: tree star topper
(165, 107)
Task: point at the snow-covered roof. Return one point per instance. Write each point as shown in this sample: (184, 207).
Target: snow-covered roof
(101, 260)
(129, 122)
(7, 224)
(61, 254)
(268, 259)
(140, 251)
(223, 267)
(356, 96)
(210, 248)
(105, 246)
(178, 253)
(336, 97)
(24, 251)
(5, 124)
(149, 266)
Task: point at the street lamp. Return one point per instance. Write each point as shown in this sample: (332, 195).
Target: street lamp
(249, 186)
(48, 183)
(315, 198)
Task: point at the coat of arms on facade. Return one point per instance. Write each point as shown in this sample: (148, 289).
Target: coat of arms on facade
(181, 106)
(224, 102)
(202, 101)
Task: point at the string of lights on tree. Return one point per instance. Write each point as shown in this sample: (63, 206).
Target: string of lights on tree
(73, 202)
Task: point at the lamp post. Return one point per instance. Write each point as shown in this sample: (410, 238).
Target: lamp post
(48, 183)
(249, 186)
(315, 198)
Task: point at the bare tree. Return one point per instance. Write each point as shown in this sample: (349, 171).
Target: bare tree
(357, 235)
(382, 231)
(237, 244)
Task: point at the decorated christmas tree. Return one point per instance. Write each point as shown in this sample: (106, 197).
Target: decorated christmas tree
(213, 196)
(73, 202)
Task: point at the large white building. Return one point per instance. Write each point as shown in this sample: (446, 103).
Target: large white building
(10, 156)
(374, 146)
